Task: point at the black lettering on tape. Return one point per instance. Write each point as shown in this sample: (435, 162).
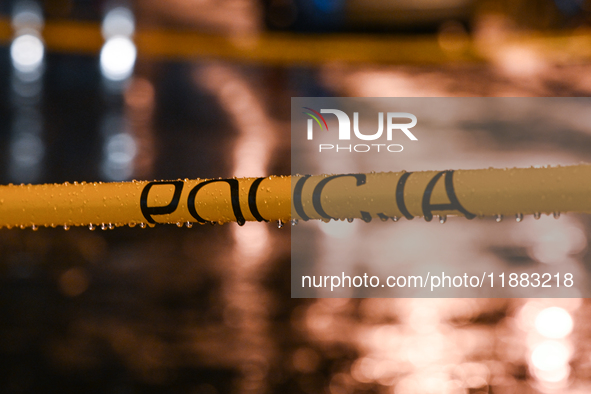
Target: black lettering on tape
(297, 198)
(234, 196)
(454, 203)
(317, 194)
(167, 209)
(400, 196)
(252, 200)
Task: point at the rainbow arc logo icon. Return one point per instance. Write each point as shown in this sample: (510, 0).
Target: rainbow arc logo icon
(314, 116)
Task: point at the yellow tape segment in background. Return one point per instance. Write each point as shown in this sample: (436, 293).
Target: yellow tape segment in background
(558, 47)
(468, 193)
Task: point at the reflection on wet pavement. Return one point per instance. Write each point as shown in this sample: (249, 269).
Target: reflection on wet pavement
(207, 309)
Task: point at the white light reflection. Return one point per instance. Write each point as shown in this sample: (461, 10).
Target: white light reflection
(118, 21)
(338, 229)
(552, 241)
(554, 322)
(139, 98)
(120, 152)
(378, 82)
(553, 376)
(256, 139)
(421, 352)
(27, 15)
(251, 155)
(556, 244)
(363, 369)
(120, 149)
(519, 61)
(26, 148)
(27, 53)
(548, 327)
(550, 356)
(251, 240)
(118, 58)
(429, 383)
(27, 87)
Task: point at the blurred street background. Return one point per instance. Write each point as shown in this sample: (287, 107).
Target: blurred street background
(96, 90)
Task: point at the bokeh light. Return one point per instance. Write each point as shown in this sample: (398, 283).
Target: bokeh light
(338, 228)
(27, 15)
(554, 322)
(117, 58)
(27, 53)
(118, 21)
(550, 360)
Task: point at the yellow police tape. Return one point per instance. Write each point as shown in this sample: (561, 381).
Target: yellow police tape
(469, 193)
(557, 47)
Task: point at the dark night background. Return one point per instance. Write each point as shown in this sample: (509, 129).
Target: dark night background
(207, 309)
